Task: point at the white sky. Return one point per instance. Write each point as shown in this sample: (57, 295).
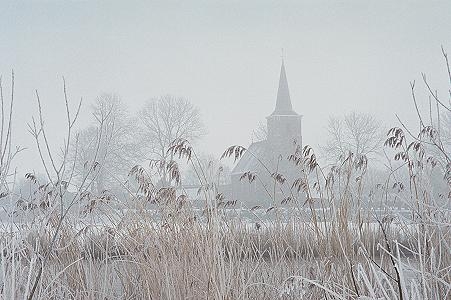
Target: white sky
(225, 57)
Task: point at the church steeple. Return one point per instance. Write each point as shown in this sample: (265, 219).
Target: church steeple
(283, 101)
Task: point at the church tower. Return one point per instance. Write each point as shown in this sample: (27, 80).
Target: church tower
(284, 124)
(284, 131)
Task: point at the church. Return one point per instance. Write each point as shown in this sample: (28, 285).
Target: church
(253, 181)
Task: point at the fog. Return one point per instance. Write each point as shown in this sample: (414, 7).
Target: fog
(224, 57)
(225, 149)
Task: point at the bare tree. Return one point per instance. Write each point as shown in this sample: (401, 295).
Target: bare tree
(165, 120)
(7, 152)
(59, 175)
(434, 132)
(357, 133)
(118, 150)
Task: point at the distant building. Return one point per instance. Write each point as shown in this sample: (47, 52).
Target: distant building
(264, 158)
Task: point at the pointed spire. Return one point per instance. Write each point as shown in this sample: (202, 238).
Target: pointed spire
(283, 102)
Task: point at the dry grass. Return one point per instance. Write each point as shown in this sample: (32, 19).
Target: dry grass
(177, 256)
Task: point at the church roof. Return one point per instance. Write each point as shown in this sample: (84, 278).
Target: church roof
(249, 161)
(283, 102)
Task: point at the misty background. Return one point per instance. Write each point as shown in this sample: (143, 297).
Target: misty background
(224, 56)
